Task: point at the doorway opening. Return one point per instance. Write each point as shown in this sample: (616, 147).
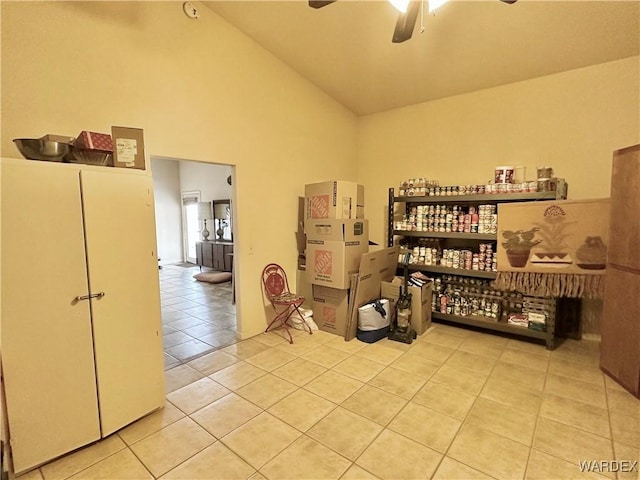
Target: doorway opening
(198, 318)
(190, 225)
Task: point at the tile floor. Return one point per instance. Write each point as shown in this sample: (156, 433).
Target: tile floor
(456, 404)
(197, 318)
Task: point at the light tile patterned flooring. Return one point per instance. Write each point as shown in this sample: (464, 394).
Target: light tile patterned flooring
(197, 317)
(456, 404)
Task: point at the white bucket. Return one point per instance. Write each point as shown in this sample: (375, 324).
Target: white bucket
(504, 174)
(545, 173)
(519, 174)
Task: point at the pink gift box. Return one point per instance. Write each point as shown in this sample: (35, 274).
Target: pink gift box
(94, 141)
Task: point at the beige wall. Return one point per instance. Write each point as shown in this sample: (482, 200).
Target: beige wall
(200, 90)
(572, 121)
(203, 91)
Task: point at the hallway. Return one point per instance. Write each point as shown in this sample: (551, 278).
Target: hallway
(197, 317)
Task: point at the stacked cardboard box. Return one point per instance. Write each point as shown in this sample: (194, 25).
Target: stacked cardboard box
(336, 237)
(334, 248)
(334, 200)
(420, 302)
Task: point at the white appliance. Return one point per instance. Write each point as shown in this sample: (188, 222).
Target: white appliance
(81, 323)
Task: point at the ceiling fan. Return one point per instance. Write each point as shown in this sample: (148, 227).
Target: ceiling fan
(406, 20)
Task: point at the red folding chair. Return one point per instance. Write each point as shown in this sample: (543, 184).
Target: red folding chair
(276, 287)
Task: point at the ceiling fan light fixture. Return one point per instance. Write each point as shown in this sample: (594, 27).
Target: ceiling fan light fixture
(434, 4)
(400, 5)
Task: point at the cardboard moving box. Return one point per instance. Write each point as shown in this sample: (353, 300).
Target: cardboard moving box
(375, 267)
(332, 263)
(420, 302)
(336, 310)
(334, 248)
(334, 199)
(330, 309)
(128, 147)
(355, 230)
(303, 288)
(391, 291)
(420, 307)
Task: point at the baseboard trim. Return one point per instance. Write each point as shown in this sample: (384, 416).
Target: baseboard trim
(591, 337)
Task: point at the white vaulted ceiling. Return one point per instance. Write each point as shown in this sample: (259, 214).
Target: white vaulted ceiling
(345, 48)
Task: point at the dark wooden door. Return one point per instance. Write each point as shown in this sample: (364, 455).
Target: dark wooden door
(620, 330)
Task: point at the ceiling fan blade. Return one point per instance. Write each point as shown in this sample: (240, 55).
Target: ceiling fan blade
(510, 2)
(406, 22)
(320, 3)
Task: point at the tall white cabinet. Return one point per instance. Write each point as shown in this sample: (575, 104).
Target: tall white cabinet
(81, 326)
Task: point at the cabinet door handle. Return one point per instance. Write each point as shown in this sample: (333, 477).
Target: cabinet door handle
(91, 295)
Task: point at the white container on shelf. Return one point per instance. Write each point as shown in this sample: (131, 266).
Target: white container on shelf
(504, 174)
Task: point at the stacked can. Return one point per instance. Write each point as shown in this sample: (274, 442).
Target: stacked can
(416, 187)
(421, 225)
(453, 301)
(487, 219)
(481, 300)
(465, 285)
(437, 218)
(486, 259)
(425, 218)
(413, 192)
(450, 218)
(469, 221)
(462, 220)
(454, 258)
(422, 255)
(453, 190)
(420, 187)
